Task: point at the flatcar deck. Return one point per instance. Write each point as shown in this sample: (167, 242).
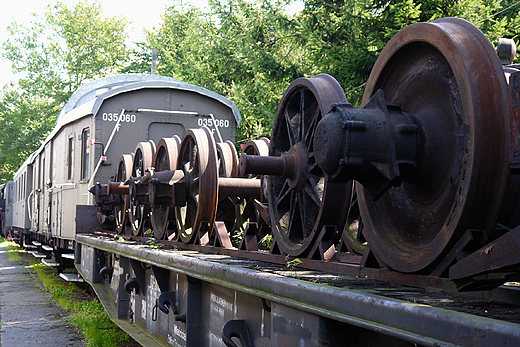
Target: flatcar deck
(416, 316)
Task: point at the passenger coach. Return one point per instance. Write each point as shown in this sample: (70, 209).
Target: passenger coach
(102, 120)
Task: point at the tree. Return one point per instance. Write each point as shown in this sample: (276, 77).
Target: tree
(55, 55)
(24, 124)
(242, 50)
(344, 38)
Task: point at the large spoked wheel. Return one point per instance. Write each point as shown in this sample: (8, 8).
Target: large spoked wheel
(163, 217)
(198, 161)
(301, 206)
(143, 160)
(122, 210)
(447, 76)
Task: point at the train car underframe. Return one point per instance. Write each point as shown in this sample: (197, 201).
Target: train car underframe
(186, 298)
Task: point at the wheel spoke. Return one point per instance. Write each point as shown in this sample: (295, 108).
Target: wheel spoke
(294, 231)
(310, 191)
(301, 129)
(290, 132)
(314, 169)
(283, 192)
(309, 136)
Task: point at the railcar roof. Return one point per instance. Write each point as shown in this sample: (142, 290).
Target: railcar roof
(22, 168)
(88, 98)
(103, 88)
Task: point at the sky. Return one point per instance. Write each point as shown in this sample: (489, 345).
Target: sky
(140, 14)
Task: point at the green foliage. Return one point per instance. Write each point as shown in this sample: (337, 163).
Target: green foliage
(11, 248)
(55, 55)
(65, 48)
(242, 50)
(248, 51)
(88, 316)
(24, 123)
(292, 264)
(96, 326)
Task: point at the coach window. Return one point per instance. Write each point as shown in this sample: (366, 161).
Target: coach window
(70, 158)
(85, 153)
(10, 194)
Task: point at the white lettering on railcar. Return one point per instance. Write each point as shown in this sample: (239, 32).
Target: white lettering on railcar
(124, 118)
(143, 309)
(219, 305)
(179, 332)
(172, 341)
(220, 123)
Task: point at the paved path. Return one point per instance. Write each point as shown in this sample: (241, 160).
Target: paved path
(28, 315)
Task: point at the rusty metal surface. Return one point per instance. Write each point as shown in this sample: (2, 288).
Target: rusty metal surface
(447, 76)
(118, 188)
(245, 188)
(123, 173)
(425, 318)
(198, 160)
(144, 155)
(165, 160)
(283, 166)
(300, 205)
(500, 254)
(227, 159)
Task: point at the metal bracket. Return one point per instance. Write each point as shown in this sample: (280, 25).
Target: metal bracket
(221, 235)
(132, 283)
(168, 299)
(236, 328)
(323, 248)
(162, 277)
(106, 272)
(139, 273)
(249, 241)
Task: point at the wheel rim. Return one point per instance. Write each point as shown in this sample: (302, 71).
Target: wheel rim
(198, 161)
(165, 159)
(123, 172)
(299, 213)
(227, 159)
(143, 160)
(447, 76)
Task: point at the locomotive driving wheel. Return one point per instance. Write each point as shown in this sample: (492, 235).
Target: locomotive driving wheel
(122, 210)
(198, 161)
(163, 217)
(448, 78)
(143, 160)
(301, 205)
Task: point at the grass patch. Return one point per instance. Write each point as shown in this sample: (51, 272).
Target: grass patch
(12, 249)
(88, 316)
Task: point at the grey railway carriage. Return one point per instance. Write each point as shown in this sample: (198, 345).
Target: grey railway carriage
(6, 207)
(102, 120)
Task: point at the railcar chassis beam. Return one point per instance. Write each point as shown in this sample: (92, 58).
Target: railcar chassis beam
(228, 284)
